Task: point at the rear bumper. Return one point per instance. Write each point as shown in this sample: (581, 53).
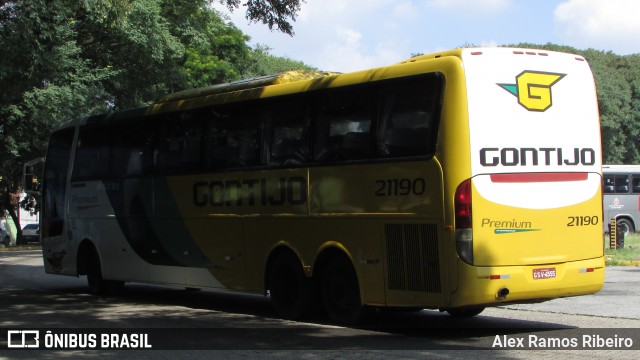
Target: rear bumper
(486, 285)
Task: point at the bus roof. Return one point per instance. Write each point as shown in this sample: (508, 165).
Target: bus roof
(486, 51)
(246, 84)
(621, 169)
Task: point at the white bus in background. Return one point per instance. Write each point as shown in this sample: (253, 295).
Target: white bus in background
(621, 196)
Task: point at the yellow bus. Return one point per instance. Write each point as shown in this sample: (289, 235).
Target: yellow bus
(452, 181)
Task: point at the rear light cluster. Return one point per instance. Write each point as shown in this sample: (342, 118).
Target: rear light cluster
(464, 231)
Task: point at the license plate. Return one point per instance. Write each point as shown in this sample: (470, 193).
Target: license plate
(544, 273)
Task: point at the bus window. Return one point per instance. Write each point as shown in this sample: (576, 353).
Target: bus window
(609, 187)
(232, 139)
(92, 154)
(635, 182)
(622, 184)
(180, 142)
(410, 113)
(289, 143)
(132, 149)
(344, 123)
(616, 184)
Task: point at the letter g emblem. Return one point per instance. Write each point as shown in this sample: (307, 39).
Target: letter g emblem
(533, 89)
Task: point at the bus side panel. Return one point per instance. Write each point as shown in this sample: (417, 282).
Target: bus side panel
(92, 217)
(219, 211)
(402, 204)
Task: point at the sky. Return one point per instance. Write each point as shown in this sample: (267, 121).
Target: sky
(349, 35)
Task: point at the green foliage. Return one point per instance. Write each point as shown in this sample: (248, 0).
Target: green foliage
(66, 59)
(628, 255)
(273, 13)
(263, 63)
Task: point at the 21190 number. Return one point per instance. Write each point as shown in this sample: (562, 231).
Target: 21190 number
(400, 187)
(583, 220)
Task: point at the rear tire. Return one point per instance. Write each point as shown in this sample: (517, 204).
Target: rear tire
(341, 292)
(291, 291)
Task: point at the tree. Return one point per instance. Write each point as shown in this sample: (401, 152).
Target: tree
(65, 59)
(263, 63)
(273, 13)
(43, 77)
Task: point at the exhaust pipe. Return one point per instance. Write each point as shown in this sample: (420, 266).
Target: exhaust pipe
(502, 293)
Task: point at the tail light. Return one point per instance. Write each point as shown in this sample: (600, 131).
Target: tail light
(464, 231)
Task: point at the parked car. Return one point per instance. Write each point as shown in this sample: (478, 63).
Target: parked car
(30, 233)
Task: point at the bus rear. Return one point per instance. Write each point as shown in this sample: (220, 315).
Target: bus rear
(529, 218)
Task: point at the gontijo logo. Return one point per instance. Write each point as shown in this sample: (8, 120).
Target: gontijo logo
(533, 89)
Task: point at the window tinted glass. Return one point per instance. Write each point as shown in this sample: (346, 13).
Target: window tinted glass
(409, 117)
(92, 153)
(635, 182)
(132, 150)
(616, 184)
(289, 143)
(344, 124)
(179, 143)
(232, 138)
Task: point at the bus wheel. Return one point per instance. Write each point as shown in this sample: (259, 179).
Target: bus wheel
(341, 292)
(466, 312)
(97, 285)
(626, 225)
(289, 288)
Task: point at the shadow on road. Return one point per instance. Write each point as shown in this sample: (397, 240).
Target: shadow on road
(178, 319)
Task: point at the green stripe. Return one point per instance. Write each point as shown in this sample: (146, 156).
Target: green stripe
(511, 231)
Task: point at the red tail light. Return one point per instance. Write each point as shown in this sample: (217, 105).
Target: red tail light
(464, 231)
(463, 205)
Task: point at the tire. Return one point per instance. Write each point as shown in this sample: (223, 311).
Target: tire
(290, 290)
(98, 285)
(466, 312)
(626, 225)
(341, 292)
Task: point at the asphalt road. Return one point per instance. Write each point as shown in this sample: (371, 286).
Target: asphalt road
(222, 325)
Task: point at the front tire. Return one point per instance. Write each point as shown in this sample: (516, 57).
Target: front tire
(290, 289)
(98, 285)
